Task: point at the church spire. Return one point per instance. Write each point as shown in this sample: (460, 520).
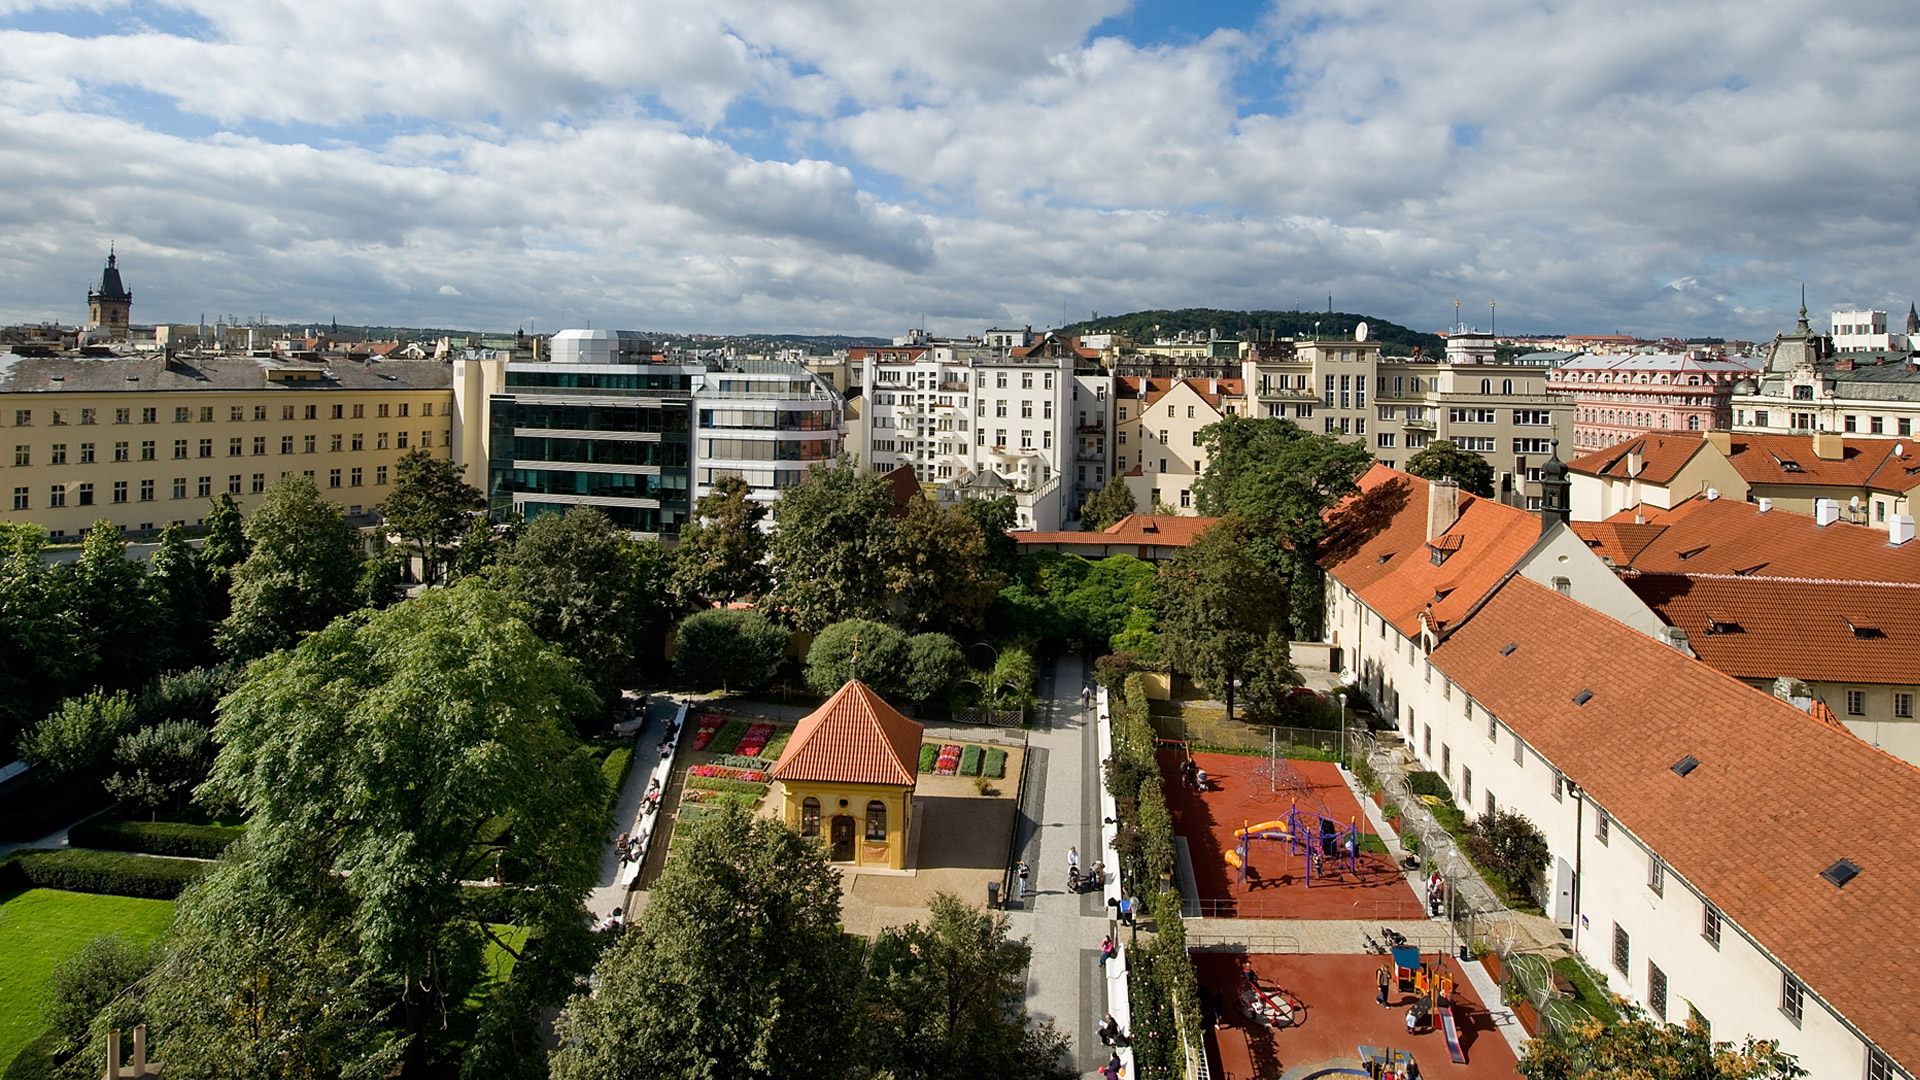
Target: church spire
(1803, 327)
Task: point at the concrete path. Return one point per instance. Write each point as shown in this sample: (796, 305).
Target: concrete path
(608, 892)
(1065, 983)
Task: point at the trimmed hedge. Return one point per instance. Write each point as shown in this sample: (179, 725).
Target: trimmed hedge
(619, 762)
(1428, 783)
(154, 837)
(996, 763)
(970, 756)
(109, 872)
(722, 784)
(929, 757)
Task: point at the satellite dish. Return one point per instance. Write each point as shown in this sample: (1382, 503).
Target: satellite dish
(1360, 331)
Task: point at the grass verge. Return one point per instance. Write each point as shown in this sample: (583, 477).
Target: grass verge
(41, 927)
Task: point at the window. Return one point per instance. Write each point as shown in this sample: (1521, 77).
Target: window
(286, 412)
(259, 445)
(146, 450)
(1426, 741)
(146, 491)
(809, 816)
(1186, 497)
(86, 494)
(1492, 806)
(206, 447)
(60, 417)
(206, 414)
(58, 454)
(313, 412)
(359, 441)
(23, 455)
(1466, 782)
(1602, 825)
(123, 416)
(1791, 994)
(336, 442)
(259, 482)
(237, 412)
(1760, 418)
(339, 412)
(1622, 950)
(1903, 706)
(1656, 875)
(120, 451)
(233, 447)
(1559, 787)
(1856, 699)
(286, 444)
(308, 443)
(205, 487)
(1493, 725)
(354, 479)
(1656, 991)
(1710, 925)
(1880, 1066)
(379, 474)
(22, 499)
(179, 487)
(233, 484)
(119, 491)
(259, 412)
(1519, 750)
(1446, 761)
(1026, 383)
(877, 810)
(400, 440)
(1563, 586)
(149, 416)
(57, 495)
(23, 418)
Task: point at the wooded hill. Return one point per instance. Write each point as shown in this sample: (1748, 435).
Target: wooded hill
(1145, 326)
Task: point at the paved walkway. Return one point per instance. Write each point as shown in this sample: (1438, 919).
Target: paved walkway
(608, 893)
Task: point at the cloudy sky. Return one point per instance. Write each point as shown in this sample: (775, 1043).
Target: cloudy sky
(860, 165)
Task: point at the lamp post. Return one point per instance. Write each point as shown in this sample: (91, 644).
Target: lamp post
(1343, 731)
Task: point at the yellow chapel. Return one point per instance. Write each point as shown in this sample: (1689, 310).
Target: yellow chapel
(849, 773)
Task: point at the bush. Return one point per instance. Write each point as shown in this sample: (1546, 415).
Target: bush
(1429, 783)
(934, 664)
(77, 739)
(970, 756)
(107, 872)
(160, 765)
(1511, 846)
(614, 769)
(929, 756)
(729, 649)
(154, 837)
(996, 763)
(885, 657)
(84, 983)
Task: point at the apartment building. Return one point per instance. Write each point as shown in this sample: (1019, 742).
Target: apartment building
(145, 441)
(1809, 385)
(1618, 397)
(1157, 431)
(763, 421)
(1866, 330)
(1703, 837)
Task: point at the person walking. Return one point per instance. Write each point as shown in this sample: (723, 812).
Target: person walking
(1126, 911)
(1020, 883)
(1073, 861)
(1381, 977)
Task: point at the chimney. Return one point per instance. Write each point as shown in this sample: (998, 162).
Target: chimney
(1845, 363)
(1721, 440)
(1826, 512)
(1766, 504)
(1635, 461)
(1443, 507)
(1829, 446)
(1900, 529)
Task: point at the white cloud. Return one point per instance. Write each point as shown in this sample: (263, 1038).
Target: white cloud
(448, 290)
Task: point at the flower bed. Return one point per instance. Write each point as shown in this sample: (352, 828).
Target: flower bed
(996, 763)
(710, 725)
(929, 754)
(949, 760)
(754, 741)
(970, 761)
(720, 798)
(735, 761)
(722, 772)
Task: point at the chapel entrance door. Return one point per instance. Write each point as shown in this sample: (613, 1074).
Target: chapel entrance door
(842, 838)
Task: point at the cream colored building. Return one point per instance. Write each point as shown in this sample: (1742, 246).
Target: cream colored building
(145, 442)
(1157, 425)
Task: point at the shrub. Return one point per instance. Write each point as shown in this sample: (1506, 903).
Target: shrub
(730, 649)
(1511, 846)
(884, 657)
(84, 983)
(970, 756)
(1428, 783)
(160, 765)
(996, 763)
(154, 837)
(77, 739)
(929, 754)
(108, 872)
(619, 762)
(934, 664)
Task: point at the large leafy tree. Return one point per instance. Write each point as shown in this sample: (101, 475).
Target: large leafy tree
(875, 653)
(832, 545)
(429, 506)
(193, 596)
(1281, 480)
(1219, 603)
(75, 743)
(1107, 506)
(1641, 1048)
(948, 1000)
(937, 575)
(1441, 459)
(225, 548)
(37, 634)
(996, 517)
(588, 588)
(737, 968)
(302, 573)
(722, 553)
(395, 755)
(728, 649)
(119, 618)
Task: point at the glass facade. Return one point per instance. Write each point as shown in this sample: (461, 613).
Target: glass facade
(652, 471)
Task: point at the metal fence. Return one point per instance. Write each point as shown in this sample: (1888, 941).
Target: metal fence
(1234, 735)
(984, 717)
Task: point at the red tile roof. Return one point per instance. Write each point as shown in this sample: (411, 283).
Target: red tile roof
(1722, 536)
(1762, 628)
(1149, 530)
(853, 738)
(1899, 472)
(1377, 546)
(1617, 539)
(1789, 459)
(1208, 390)
(1778, 796)
(1662, 458)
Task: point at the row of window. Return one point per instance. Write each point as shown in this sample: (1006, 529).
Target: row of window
(87, 453)
(1902, 704)
(1876, 425)
(83, 493)
(1026, 409)
(184, 414)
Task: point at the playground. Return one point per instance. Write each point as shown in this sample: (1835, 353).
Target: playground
(1301, 1015)
(1279, 838)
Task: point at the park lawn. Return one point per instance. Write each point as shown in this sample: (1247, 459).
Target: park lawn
(41, 927)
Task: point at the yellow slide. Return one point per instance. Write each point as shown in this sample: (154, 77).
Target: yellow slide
(1233, 859)
(1265, 826)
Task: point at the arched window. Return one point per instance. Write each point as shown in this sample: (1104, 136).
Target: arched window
(1693, 423)
(876, 820)
(1663, 419)
(1693, 380)
(1506, 386)
(1486, 386)
(809, 816)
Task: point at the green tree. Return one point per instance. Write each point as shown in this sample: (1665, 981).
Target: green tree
(159, 765)
(302, 573)
(996, 517)
(258, 984)
(1010, 685)
(1512, 846)
(722, 553)
(480, 548)
(934, 663)
(224, 548)
(76, 741)
(37, 634)
(382, 576)
(884, 657)
(768, 986)
(948, 1001)
(590, 590)
(833, 542)
(1641, 1048)
(83, 984)
(1218, 604)
(1269, 677)
(189, 607)
(937, 574)
(728, 649)
(117, 613)
(1441, 460)
(1035, 606)
(1107, 600)
(1281, 481)
(1104, 508)
(400, 753)
(429, 506)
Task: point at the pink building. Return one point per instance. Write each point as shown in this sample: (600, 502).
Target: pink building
(1618, 397)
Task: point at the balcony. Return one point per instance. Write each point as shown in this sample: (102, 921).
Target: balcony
(1093, 429)
(1425, 423)
(1286, 393)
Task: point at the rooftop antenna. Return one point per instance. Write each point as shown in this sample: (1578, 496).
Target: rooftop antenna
(853, 662)
(1493, 325)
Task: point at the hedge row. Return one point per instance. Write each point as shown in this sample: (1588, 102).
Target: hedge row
(721, 783)
(1428, 783)
(154, 837)
(970, 756)
(996, 763)
(619, 762)
(929, 757)
(110, 872)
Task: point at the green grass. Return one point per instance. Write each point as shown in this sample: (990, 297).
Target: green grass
(498, 962)
(1587, 992)
(41, 927)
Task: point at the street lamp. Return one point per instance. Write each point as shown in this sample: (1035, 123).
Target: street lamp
(1343, 731)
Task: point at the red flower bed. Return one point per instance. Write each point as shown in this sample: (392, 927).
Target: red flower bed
(710, 724)
(753, 776)
(949, 761)
(754, 741)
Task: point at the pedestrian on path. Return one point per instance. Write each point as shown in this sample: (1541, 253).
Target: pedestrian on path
(1113, 1070)
(1020, 882)
(1073, 861)
(1126, 911)
(1382, 977)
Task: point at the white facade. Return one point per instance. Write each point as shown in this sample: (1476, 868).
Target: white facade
(764, 421)
(1864, 331)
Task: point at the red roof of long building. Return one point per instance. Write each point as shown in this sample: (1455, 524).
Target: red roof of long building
(854, 737)
(1147, 530)
(1726, 536)
(1764, 627)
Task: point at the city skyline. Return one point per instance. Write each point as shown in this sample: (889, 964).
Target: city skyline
(740, 167)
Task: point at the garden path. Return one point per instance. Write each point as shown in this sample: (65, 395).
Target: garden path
(608, 892)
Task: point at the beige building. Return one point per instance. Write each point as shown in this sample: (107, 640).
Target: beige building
(144, 442)
(1157, 425)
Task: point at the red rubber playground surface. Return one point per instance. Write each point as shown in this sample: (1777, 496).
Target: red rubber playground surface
(1274, 888)
(1337, 1015)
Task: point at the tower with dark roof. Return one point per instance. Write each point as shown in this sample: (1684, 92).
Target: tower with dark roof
(110, 307)
(1913, 320)
(1556, 498)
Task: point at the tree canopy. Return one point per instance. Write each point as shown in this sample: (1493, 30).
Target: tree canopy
(1105, 507)
(1639, 1047)
(429, 506)
(937, 574)
(303, 570)
(1220, 608)
(833, 543)
(728, 649)
(1442, 460)
(722, 552)
(884, 657)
